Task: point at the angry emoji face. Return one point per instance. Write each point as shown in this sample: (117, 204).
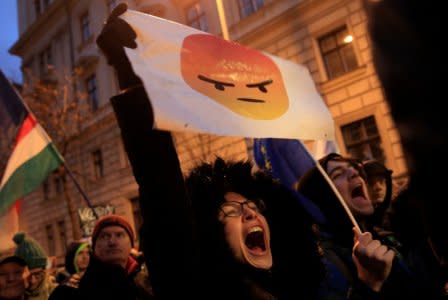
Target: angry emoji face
(241, 79)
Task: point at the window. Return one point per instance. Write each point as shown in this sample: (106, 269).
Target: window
(111, 4)
(58, 184)
(49, 55)
(45, 60)
(50, 240)
(46, 3)
(362, 139)
(138, 220)
(85, 27)
(92, 92)
(37, 7)
(248, 7)
(42, 64)
(97, 158)
(46, 189)
(338, 53)
(196, 17)
(62, 235)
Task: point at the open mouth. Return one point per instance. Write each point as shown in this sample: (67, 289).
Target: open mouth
(358, 192)
(255, 240)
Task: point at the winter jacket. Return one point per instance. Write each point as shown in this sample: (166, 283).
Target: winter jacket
(107, 281)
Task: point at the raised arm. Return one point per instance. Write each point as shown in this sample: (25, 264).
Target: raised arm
(166, 235)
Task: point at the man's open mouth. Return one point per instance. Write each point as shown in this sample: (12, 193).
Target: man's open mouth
(358, 192)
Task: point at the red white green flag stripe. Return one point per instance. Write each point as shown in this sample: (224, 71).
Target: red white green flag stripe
(33, 156)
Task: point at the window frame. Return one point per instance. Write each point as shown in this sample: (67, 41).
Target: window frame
(378, 112)
(365, 140)
(338, 49)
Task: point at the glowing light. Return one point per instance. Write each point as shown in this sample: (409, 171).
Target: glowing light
(348, 39)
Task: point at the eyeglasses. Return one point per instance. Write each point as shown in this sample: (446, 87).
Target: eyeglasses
(39, 274)
(235, 209)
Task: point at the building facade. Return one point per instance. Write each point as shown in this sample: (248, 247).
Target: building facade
(329, 37)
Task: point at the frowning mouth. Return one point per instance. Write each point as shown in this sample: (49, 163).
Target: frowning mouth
(251, 100)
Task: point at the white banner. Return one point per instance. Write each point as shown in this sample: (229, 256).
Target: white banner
(200, 82)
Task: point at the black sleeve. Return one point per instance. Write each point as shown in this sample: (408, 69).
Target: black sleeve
(167, 233)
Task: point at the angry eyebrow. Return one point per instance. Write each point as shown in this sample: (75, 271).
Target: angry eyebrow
(216, 82)
(263, 83)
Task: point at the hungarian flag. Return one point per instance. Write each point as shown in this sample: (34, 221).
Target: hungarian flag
(25, 147)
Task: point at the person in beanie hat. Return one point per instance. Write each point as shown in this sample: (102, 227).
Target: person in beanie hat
(30, 250)
(112, 272)
(40, 283)
(112, 220)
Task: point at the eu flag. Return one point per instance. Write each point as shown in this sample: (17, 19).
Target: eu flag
(287, 160)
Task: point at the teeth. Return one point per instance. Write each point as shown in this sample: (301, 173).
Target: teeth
(255, 229)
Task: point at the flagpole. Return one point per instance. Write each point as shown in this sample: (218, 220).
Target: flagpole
(335, 190)
(78, 187)
(222, 20)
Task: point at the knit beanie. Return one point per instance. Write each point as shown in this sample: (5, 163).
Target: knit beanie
(30, 251)
(112, 220)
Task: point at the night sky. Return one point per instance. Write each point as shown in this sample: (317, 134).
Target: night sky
(9, 64)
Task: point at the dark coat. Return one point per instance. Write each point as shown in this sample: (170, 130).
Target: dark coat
(106, 281)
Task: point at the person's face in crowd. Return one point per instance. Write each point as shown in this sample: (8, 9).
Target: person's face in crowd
(12, 280)
(351, 186)
(35, 278)
(246, 231)
(113, 245)
(377, 189)
(82, 259)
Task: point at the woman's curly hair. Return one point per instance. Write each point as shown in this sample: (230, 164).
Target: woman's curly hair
(207, 185)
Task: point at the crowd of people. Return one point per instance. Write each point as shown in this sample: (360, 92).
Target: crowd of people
(224, 231)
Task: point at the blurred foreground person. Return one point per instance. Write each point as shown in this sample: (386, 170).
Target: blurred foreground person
(411, 68)
(13, 278)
